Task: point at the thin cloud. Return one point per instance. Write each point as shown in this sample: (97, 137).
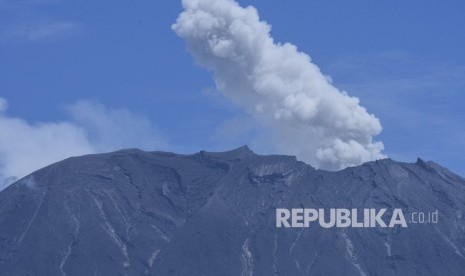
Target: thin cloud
(24, 4)
(93, 128)
(419, 98)
(43, 31)
(110, 129)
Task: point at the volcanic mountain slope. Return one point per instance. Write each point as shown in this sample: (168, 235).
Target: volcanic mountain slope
(153, 213)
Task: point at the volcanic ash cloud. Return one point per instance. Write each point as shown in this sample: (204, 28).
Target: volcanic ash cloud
(279, 86)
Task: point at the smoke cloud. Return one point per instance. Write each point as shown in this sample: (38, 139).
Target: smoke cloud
(92, 128)
(278, 85)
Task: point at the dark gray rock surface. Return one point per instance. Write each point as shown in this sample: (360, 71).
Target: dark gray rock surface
(153, 213)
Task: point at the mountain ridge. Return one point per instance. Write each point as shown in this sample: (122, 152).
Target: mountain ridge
(132, 212)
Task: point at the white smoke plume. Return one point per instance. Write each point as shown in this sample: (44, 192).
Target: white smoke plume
(92, 128)
(280, 86)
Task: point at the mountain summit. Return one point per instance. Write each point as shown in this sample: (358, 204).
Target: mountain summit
(132, 212)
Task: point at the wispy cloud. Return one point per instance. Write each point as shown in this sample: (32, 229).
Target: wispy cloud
(92, 128)
(418, 100)
(109, 129)
(32, 20)
(19, 4)
(40, 31)
(399, 79)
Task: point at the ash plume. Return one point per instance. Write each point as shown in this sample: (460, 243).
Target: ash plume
(279, 86)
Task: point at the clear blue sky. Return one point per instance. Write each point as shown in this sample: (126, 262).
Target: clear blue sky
(403, 59)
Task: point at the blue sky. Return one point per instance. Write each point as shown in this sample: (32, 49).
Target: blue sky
(403, 59)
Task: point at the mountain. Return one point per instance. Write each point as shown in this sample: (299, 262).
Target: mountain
(132, 212)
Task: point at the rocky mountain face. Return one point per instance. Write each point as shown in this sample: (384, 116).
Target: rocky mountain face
(153, 213)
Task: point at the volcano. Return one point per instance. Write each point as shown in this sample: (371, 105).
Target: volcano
(132, 212)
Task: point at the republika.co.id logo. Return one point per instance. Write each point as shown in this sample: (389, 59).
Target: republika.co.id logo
(341, 218)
